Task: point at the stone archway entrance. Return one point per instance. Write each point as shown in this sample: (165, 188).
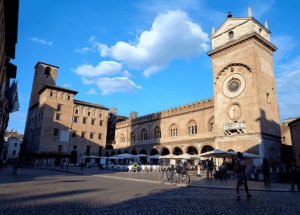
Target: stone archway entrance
(177, 151)
(153, 152)
(165, 151)
(73, 157)
(192, 150)
(206, 149)
(133, 152)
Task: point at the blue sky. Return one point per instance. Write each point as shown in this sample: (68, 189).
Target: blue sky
(144, 56)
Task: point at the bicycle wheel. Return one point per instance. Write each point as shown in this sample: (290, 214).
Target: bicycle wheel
(186, 178)
(174, 179)
(161, 178)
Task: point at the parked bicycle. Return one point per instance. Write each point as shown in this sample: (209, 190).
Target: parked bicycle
(181, 178)
(166, 175)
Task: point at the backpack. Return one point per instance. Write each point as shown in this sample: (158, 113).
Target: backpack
(209, 164)
(237, 167)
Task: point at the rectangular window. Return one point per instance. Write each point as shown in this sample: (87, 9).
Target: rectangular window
(36, 131)
(76, 111)
(100, 115)
(75, 119)
(100, 123)
(74, 147)
(89, 113)
(60, 148)
(39, 116)
(68, 97)
(122, 139)
(88, 149)
(14, 152)
(82, 134)
(132, 138)
(84, 120)
(57, 116)
(74, 134)
(51, 94)
(91, 135)
(35, 119)
(16, 144)
(40, 131)
(55, 133)
(58, 107)
(99, 136)
(93, 121)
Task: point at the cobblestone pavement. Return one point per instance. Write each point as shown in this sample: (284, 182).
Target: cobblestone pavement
(38, 191)
(203, 181)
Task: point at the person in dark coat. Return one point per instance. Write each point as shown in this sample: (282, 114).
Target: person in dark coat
(266, 171)
(81, 165)
(295, 174)
(15, 166)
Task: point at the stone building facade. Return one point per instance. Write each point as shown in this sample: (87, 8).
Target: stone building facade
(9, 12)
(242, 116)
(13, 142)
(295, 137)
(58, 126)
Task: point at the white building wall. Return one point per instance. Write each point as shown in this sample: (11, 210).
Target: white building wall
(13, 147)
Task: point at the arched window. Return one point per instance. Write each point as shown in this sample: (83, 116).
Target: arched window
(122, 138)
(173, 130)
(132, 137)
(206, 149)
(260, 31)
(165, 151)
(47, 70)
(211, 125)
(192, 127)
(230, 35)
(144, 135)
(192, 150)
(157, 132)
(177, 151)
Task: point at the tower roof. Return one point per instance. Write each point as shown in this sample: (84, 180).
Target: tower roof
(45, 64)
(56, 88)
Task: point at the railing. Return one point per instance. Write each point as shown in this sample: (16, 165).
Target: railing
(239, 127)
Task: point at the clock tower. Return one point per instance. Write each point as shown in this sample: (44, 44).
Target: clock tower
(245, 103)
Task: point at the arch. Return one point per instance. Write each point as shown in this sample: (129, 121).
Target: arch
(165, 151)
(122, 138)
(119, 152)
(73, 158)
(173, 130)
(112, 153)
(132, 137)
(109, 147)
(192, 127)
(211, 124)
(106, 154)
(47, 70)
(133, 152)
(126, 152)
(230, 35)
(231, 65)
(192, 150)
(144, 134)
(177, 151)
(153, 152)
(143, 151)
(230, 150)
(206, 148)
(157, 132)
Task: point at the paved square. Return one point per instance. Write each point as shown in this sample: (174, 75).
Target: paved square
(37, 191)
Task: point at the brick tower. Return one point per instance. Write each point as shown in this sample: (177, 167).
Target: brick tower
(245, 102)
(44, 74)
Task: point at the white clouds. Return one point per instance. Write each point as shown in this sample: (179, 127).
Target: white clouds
(92, 91)
(40, 41)
(288, 91)
(102, 69)
(285, 45)
(67, 85)
(172, 36)
(84, 50)
(127, 74)
(113, 85)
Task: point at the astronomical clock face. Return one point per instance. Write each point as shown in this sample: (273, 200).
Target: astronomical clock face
(234, 85)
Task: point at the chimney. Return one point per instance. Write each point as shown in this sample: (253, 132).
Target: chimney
(213, 30)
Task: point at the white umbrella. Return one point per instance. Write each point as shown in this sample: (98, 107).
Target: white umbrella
(187, 156)
(142, 155)
(216, 154)
(125, 155)
(154, 156)
(170, 156)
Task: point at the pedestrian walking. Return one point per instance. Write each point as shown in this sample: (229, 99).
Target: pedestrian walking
(295, 174)
(16, 164)
(239, 168)
(81, 165)
(67, 164)
(266, 171)
(207, 168)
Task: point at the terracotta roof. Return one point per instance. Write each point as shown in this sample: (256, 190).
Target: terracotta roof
(56, 88)
(90, 104)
